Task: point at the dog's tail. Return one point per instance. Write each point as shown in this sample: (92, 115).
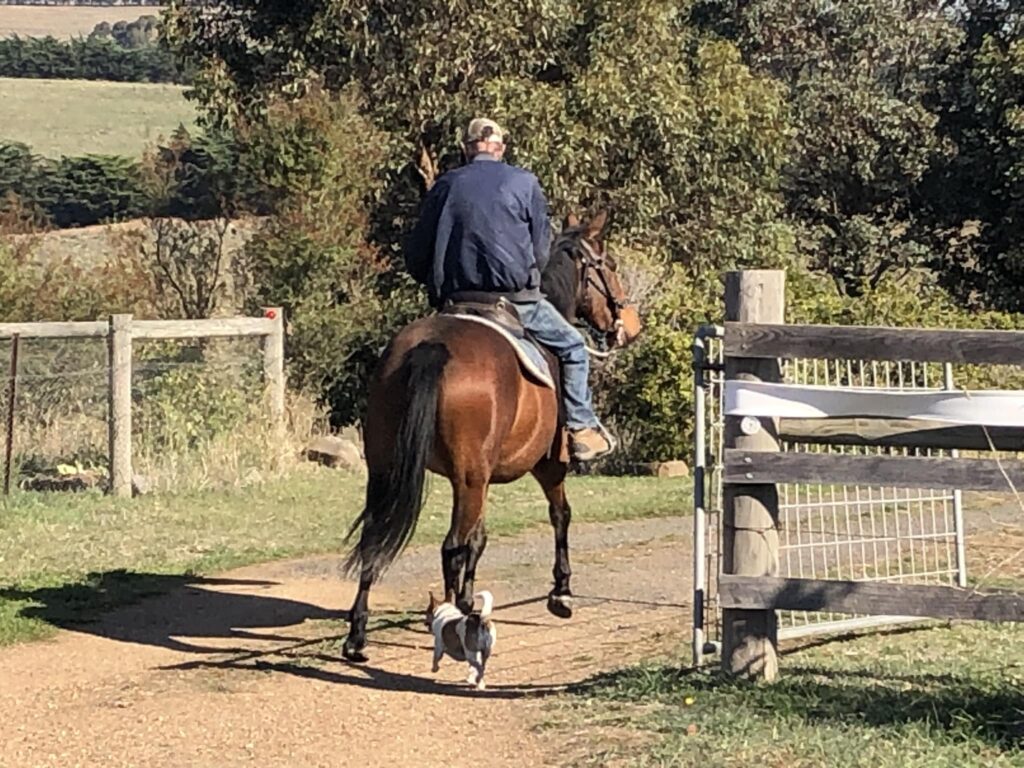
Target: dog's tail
(488, 606)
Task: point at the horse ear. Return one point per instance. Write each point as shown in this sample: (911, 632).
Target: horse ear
(572, 220)
(596, 226)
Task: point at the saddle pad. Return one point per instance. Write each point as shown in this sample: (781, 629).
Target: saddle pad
(529, 356)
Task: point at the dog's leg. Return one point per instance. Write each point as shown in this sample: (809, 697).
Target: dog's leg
(476, 669)
(438, 653)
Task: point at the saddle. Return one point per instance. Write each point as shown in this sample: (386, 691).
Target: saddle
(490, 306)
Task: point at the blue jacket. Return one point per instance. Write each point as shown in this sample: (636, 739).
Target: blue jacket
(482, 227)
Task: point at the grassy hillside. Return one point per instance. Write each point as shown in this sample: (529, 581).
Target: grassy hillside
(63, 21)
(74, 117)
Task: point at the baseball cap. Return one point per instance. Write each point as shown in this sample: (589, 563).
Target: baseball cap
(484, 129)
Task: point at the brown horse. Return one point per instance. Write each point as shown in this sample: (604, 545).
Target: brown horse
(450, 396)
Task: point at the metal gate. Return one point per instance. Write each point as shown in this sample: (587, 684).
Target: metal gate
(825, 531)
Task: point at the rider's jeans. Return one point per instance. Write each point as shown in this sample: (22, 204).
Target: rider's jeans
(554, 331)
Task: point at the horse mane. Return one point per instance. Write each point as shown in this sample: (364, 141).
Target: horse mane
(559, 278)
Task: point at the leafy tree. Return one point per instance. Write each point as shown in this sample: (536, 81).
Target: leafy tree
(978, 196)
(608, 102)
(860, 78)
(317, 157)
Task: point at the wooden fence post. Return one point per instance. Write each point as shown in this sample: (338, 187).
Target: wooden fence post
(273, 369)
(751, 512)
(119, 345)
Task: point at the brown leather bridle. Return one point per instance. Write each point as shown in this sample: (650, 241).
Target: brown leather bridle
(594, 272)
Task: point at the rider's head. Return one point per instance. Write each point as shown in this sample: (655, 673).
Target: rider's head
(484, 136)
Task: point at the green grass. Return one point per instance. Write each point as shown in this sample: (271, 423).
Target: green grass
(78, 554)
(75, 117)
(931, 697)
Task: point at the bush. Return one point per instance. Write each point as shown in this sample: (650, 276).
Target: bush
(80, 191)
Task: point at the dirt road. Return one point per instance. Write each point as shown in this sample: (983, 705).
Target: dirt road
(244, 669)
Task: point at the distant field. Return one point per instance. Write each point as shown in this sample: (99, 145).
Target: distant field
(65, 21)
(73, 117)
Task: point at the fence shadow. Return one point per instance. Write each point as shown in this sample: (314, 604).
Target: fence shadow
(111, 604)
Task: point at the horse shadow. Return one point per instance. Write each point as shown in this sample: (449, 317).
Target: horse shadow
(178, 612)
(161, 609)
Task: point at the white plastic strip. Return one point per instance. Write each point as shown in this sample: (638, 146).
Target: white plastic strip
(993, 408)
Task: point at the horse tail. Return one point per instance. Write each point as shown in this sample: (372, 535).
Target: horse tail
(394, 499)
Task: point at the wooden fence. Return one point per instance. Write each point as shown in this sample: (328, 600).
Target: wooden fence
(121, 330)
(749, 590)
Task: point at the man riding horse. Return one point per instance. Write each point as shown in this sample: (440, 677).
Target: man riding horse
(484, 229)
(453, 397)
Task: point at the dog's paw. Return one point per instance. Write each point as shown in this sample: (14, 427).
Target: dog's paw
(435, 667)
(481, 686)
(471, 677)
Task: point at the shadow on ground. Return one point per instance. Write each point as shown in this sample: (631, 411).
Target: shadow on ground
(989, 707)
(191, 606)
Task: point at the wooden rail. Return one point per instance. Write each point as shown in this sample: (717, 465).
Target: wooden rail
(758, 467)
(867, 597)
(749, 589)
(852, 342)
(121, 331)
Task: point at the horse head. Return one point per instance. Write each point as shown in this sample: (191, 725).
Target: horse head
(583, 283)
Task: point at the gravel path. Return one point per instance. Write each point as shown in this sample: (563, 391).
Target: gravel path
(244, 669)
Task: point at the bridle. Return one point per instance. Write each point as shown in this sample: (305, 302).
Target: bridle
(594, 272)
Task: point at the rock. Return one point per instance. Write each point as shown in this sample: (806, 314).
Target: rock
(666, 469)
(335, 452)
(68, 483)
(141, 485)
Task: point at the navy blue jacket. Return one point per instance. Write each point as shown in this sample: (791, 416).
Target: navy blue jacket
(482, 227)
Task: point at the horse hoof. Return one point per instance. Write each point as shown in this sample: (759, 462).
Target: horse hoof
(353, 654)
(560, 606)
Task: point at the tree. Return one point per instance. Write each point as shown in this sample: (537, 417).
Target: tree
(608, 102)
(317, 157)
(977, 197)
(861, 79)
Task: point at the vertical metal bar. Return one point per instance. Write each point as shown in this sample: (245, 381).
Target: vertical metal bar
(958, 500)
(699, 524)
(12, 392)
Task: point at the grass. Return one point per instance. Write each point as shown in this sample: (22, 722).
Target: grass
(932, 697)
(75, 117)
(79, 554)
(64, 21)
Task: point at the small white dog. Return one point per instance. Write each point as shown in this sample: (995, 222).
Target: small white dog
(465, 638)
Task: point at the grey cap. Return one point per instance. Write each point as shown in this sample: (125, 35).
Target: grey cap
(484, 129)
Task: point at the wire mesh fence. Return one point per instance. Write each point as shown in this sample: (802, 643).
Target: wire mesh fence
(838, 531)
(199, 412)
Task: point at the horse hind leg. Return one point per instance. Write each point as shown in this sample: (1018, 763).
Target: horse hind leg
(352, 648)
(465, 542)
(551, 476)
